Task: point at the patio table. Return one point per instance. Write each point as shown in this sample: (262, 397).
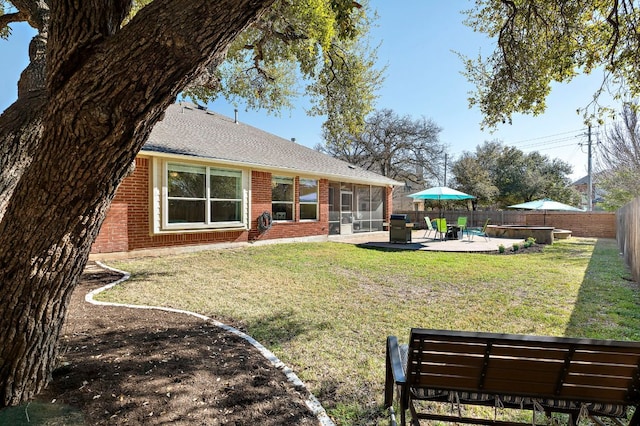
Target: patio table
(452, 231)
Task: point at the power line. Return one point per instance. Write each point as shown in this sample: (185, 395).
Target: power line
(559, 146)
(551, 142)
(551, 136)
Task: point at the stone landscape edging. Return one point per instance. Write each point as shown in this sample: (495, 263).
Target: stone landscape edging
(311, 401)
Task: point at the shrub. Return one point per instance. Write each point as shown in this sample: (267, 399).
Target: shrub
(501, 248)
(516, 246)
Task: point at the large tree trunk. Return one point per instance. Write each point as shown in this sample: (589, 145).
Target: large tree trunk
(104, 94)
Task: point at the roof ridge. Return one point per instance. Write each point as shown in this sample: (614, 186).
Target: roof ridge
(183, 131)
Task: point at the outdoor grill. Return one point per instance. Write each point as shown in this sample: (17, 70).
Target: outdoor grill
(400, 229)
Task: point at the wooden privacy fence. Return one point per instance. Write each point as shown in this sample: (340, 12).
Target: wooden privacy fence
(581, 224)
(628, 235)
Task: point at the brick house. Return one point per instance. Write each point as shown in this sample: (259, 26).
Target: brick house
(203, 178)
(582, 186)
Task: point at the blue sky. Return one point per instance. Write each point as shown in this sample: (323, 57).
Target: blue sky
(423, 78)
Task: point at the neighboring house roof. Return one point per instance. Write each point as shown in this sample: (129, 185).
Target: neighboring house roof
(190, 131)
(585, 180)
(598, 193)
(582, 181)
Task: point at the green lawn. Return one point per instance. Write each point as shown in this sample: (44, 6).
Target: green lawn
(325, 309)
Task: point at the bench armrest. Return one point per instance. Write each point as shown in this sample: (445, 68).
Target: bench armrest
(393, 354)
(395, 370)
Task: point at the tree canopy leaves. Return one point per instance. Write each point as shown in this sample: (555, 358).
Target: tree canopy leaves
(618, 165)
(313, 48)
(316, 48)
(502, 175)
(542, 41)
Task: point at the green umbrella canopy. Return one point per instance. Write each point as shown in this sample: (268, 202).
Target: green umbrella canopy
(440, 193)
(545, 204)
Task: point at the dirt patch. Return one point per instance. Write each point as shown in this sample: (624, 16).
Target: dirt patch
(132, 366)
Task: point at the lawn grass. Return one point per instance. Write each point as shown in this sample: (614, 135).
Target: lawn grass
(325, 309)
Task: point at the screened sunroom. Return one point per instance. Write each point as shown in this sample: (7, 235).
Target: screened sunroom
(355, 208)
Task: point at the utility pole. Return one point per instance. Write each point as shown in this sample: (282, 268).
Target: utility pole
(445, 169)
(589, 174)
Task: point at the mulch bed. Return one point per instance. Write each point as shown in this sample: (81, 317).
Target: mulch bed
(148, 367)
(535, 248)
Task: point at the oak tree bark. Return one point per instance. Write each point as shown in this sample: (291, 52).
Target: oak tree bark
(68, 142)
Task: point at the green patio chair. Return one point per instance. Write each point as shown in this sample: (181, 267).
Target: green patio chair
(441, 227)
(462, 226)
(480, 232)
(429, 227)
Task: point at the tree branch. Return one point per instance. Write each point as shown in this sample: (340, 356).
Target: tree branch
(35, 12)
(86, 25)
(13, 17)
(506, 29)
(614, 21)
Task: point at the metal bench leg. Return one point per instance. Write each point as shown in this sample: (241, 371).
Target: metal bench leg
(635, 419)
(414, 415)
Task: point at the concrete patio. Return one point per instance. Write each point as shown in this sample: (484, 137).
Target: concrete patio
(381, 239)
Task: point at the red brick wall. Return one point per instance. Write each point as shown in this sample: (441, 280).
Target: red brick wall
(134, 227)
(113, 235)
(583, 224)
(388, 205)
(324, 204)
(261, 201)
(128, 223)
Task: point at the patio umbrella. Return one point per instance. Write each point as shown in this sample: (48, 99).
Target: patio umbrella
(440, 193)
(545, 204)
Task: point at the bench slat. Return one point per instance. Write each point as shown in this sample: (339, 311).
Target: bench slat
(509, 387)
(449, 370)
(602, 369)
(628, 358)
(557, 353)
(604, 381)
(446, 382)
(455, 347)
(612, 396)
(450, 359)
(505, 372)
(525, 366)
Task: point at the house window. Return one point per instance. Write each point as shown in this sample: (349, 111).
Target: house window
(186, 193)
(225, 195)
(308, 199)
(200, 197)
(282, 190)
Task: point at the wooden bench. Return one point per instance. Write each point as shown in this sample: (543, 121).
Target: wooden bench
(579, 377)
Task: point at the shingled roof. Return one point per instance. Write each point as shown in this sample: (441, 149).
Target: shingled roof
(191, 131)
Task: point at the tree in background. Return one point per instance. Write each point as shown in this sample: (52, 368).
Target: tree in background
(400, 148)
(501, 175)
(542, 41)
(99, 78)
(472, 177)
(619, 160)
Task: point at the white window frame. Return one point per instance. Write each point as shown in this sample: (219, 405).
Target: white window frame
(291, 202)
(207, 224)
(307, 203)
